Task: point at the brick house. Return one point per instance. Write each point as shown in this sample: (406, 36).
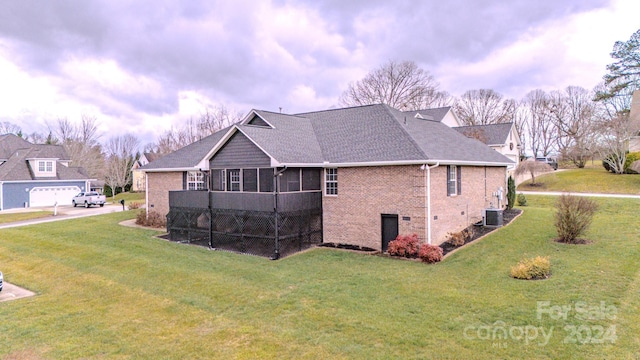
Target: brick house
(357, 176)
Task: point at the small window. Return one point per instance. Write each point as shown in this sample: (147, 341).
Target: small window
(331, 182)
(195, 180)
(454, 179)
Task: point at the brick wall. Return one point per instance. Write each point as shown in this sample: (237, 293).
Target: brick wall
(454, 213)
(365, 193)
(159, 185)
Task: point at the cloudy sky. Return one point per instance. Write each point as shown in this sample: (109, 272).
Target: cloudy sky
(143, 66)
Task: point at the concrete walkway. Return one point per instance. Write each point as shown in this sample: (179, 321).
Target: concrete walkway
(558, 193)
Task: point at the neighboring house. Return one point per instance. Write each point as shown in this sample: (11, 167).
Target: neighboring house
(138, 179)
(358, 176)
(444, 115)
(502, 138)
(37, 175)
(634, 118)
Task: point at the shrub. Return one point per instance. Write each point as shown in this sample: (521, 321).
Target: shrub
(430, 253)
(522, 200)
(134, 205)
(573, 217)
(456, 239)
(631, 157)
(532, 269)
(153, 219)
(404, 245)
(511, 192)
(460, 238)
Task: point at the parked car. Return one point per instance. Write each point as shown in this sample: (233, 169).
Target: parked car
(1, 280)
(88, 199)
(549, 161)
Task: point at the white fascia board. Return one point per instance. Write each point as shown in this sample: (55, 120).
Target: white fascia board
(398, 163)
(42, 181)
(170, 170)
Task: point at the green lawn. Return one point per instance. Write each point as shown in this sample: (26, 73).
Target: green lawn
(129, 197)
(21, 216)
(593, 179)
(107, 291)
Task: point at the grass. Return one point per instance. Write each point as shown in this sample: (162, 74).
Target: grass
(592, 179)
(128, 197)
(106, 291)
(13, 217)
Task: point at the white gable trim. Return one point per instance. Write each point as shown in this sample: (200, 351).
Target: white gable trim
(204, 163)
(250, 116)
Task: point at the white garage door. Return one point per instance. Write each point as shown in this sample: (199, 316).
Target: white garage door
(47, 196)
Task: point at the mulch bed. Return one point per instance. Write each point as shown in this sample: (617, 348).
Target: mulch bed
(480, 231)
(348, 247)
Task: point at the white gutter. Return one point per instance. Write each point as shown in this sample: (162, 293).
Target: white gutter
(398, 163)
(427, 210)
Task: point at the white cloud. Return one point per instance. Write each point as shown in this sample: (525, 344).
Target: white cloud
(560, 53)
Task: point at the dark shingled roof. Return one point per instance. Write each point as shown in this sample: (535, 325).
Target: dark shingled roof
(491, 134)
(358, 135)
(189, 156)
(17, 152)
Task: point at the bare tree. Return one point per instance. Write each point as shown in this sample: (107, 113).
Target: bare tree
(121, 152)
(533, 168)
(81, 142)
(192, 130)
(402, 85)
(520, 120)
(539, 125)
(484, 106)
(9, 128)
(613, 126)
(572, 112)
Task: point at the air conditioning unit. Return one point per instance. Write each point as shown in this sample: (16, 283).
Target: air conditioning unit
(492, 217)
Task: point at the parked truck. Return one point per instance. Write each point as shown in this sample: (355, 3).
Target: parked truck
(88, 199)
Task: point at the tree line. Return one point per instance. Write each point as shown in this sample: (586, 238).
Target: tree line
(574, 124)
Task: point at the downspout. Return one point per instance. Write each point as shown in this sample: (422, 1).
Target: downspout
(277, 175)
(427, 209)
(146, 194)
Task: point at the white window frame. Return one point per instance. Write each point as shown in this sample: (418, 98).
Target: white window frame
(233, 180)
(331, 182)
(195, 180)
(452, 180)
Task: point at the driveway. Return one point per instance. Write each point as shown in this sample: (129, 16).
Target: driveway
(65, 212)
